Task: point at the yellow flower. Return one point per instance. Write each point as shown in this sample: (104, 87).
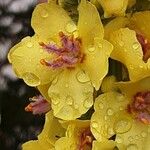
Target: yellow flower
(51, 132)
(70, 59)
(124, 112)
(115, 7)
(132, 44)
(79, 137)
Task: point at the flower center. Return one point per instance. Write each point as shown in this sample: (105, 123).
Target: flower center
(86, 139)
(145, 46)
(67, 55)
(140, 107)
(38, 105)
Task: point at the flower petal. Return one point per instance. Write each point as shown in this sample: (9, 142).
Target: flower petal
(25, 58)
(128, 50)
(89, 26)
(114, 7)
(71, 95)
(96, 61)
(48, 19)
(107, 106)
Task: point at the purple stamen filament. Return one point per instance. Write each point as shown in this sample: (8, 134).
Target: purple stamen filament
(66, 55)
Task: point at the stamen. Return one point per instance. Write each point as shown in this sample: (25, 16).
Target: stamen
(38, 105)
(140, 107)
(145, 46)
(67, 55)
(86, 139)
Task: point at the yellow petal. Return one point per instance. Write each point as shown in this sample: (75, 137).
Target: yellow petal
(48, 19)
(108, 145)
(140, 22)
(44, 91)
(32, 145)
(114, 7)
(107, 107)
(52, 130)
(115, 24)
(71, 95)
(25, 58)
(96, 61)
(128, 51)
(136, 138)
(89, 26)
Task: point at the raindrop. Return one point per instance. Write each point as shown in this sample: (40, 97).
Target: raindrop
(132, 147)
(110, 112)
(44, 13)
(91, 48)
(29, 44)
(94, 124)
(101, 105)
(71, 27)
(135, 45)
(82, 77)
(31, 79)
(69, 100)
(144, 134)
(55, 98)
(122, 126)
(119, 139)
(88, 103)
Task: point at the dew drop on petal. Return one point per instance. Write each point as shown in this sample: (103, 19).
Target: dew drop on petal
(88, 103)
(55, 98)
(132, 147)
(101, 105)
(71, 27)
(122, 126)
(31, 79)
(44, 13)
(29, 44)
(94, 124)
(119, 139)
(82, 77)
(135, 45)
(69, 100)
(91, 48)
(109, 112)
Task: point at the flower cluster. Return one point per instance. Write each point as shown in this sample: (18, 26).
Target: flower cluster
(68, 62)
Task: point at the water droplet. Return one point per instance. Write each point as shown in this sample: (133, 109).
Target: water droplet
(82, 77)
(69, 100)
(44, 13)
(121, 43)
(31, 79)
(55, 98)
(110, 112)
(135, 45)
(122, 126)
(101, 105)
(29, 44)
(132, 147)
(91, 48)
(140, 66)
(66, 85)
(88, 103)
(119, 139)
(71, 27)
(130, 138)
(94, 124)
(55, 81)
(144, 134)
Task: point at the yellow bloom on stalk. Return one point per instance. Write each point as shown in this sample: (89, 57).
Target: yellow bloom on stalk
(51, 132)
(124, 112)
(70, 59)
(131, 39)
(79, 137)
(114, 7)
